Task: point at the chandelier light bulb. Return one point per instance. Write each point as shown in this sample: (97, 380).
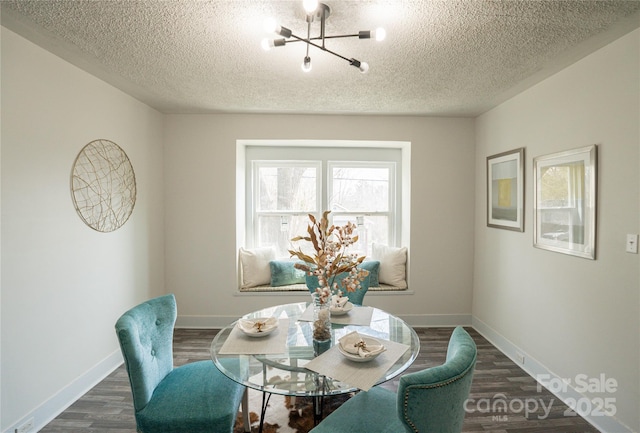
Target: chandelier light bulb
(310, 6)
(362, 66)
(306, 64)
(267, 44)
(380, 34)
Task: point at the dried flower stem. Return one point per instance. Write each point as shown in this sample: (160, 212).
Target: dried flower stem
(331, 259)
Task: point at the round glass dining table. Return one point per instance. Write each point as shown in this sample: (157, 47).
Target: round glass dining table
(285, 373)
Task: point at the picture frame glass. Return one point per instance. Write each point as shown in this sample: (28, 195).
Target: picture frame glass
(505, 190)
(565, 202)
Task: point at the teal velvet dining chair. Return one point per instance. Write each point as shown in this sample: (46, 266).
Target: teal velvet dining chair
(194, 397)
(427, 401)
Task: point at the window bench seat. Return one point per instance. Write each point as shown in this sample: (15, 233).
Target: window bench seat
(303, 288)
(262, 272)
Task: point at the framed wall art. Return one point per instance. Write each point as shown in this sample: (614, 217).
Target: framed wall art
(103, 186)
(505, 190)
(565, 202)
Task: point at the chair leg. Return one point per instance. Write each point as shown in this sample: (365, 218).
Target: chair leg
(245, 411)
(294, 377)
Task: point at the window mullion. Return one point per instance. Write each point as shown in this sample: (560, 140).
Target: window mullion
(324, 187)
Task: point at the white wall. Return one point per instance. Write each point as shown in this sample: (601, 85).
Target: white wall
(569, 315)
(64, 284)
(200, 198)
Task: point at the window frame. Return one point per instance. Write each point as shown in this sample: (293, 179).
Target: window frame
(403, 175)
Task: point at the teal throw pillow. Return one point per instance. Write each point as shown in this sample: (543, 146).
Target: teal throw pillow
(373, 266)
(283, 273)
(354, 297)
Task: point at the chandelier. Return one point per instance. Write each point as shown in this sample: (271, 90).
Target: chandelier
(317, 11)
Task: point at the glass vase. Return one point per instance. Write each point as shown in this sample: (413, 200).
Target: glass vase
(321, 324)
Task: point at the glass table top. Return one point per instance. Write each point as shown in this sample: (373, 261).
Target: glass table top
(286, 373)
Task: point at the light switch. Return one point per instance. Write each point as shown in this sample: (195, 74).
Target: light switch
(632, 243)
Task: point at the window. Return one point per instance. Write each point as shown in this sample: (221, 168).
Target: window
(363, 193)
(285, 192)
(285, 184)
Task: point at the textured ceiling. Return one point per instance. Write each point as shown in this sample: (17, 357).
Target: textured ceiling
(440, 57)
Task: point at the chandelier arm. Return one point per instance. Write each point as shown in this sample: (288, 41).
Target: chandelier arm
(322, 21)
(339, 36)
(308, 42)
(308, 35)
(317, 38)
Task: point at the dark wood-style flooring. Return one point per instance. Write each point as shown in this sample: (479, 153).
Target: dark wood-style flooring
(498, 382)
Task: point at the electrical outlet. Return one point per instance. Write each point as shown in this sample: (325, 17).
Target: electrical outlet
(26, 427)
(520, 357)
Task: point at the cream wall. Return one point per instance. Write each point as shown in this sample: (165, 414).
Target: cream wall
(64, 284)
(200, 212)
(569, 315)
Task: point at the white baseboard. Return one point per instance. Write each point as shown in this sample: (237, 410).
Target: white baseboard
(606, 424)
(47, 411)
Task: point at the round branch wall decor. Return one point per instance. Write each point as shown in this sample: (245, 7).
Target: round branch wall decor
(103, 186)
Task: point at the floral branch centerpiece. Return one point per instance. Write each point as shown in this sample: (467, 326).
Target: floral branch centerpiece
(336, 269)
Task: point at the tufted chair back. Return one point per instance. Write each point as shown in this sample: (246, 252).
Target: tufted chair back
(432, 400)
(145, 333)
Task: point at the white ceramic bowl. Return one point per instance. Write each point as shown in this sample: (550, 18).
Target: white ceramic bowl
(341, 311)
(357, 358)
(258, 327)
